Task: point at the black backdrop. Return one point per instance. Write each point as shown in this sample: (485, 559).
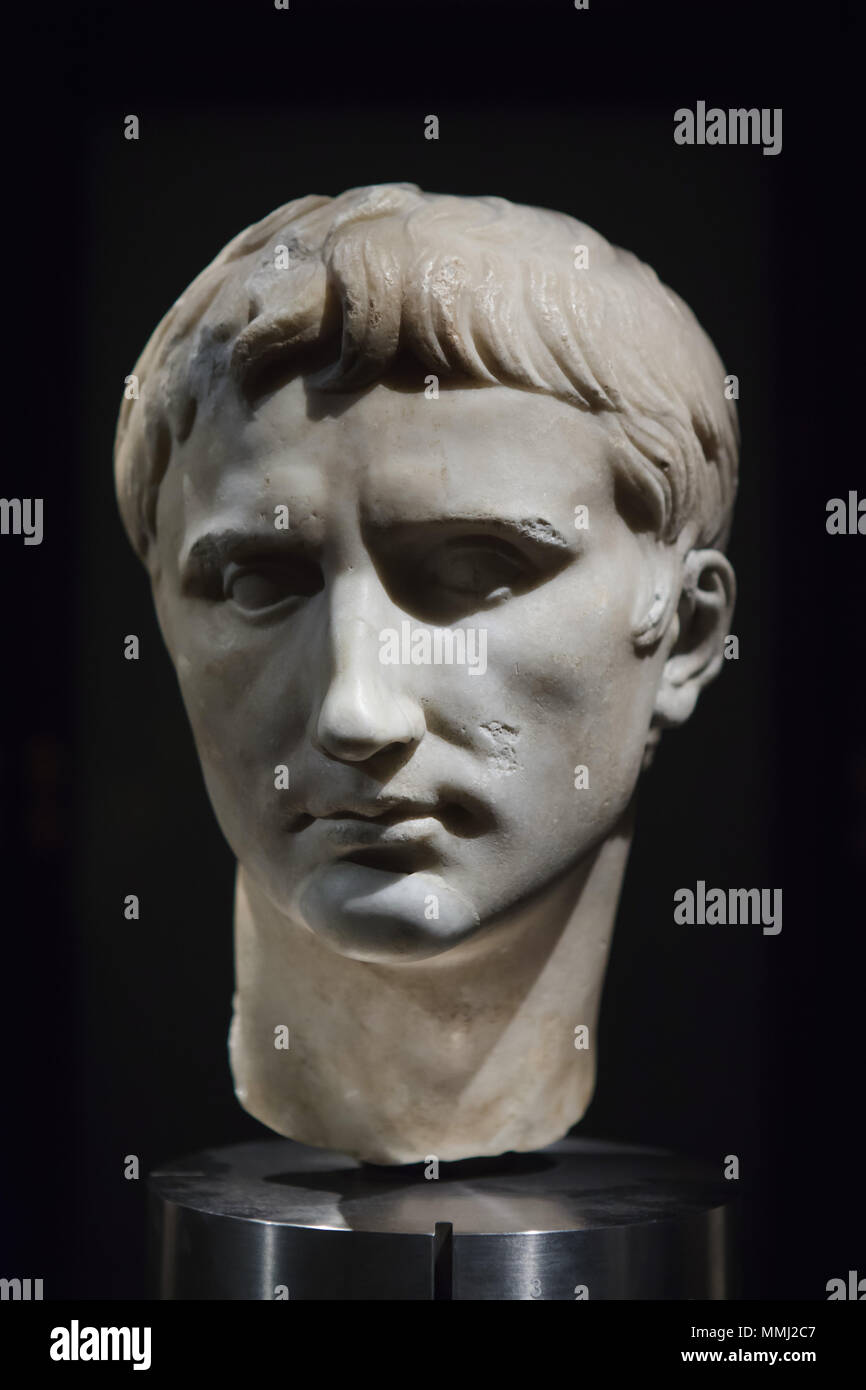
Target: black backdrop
(714, 1042)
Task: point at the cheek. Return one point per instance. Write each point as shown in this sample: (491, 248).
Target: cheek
(564, 679)
(241, 726)
(238, 724)
(560, 656)
(236, 677)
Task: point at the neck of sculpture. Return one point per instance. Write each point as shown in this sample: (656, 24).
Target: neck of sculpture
(488, 1047)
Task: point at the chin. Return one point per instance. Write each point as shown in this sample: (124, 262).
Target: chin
(384, 917)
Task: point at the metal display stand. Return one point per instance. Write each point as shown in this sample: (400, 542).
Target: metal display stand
(579, 1219)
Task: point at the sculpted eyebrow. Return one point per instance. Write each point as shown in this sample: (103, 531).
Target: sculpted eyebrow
(534, 529)
(537, 529)
(213, 550)
(210, 553)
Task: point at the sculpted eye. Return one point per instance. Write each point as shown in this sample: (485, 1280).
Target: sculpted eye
(265, 584)
(459, 574)
(474, 566)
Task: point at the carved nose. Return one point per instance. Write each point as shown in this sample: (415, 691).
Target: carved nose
(363, 712)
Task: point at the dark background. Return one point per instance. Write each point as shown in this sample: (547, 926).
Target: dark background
(714, 1041)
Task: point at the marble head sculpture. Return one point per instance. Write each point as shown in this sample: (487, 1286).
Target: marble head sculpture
(433, 494)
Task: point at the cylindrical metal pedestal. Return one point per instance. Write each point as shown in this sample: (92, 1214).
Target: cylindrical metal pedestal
(579, 1219)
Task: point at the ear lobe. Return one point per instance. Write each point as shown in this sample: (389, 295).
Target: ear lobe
(703, 621)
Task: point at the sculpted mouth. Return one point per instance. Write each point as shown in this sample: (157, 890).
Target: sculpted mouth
(388, 814)
(458, 818)
(401, 840)
(394, 858)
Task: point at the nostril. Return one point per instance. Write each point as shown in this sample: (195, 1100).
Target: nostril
(458, 820)
(355, 723)
(350, 749)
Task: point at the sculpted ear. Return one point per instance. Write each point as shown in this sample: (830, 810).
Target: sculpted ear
(702, 622)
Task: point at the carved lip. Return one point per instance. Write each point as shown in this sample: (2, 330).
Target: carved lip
(397, 857)
(400, 841)
(466, 818)
(383, 812)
